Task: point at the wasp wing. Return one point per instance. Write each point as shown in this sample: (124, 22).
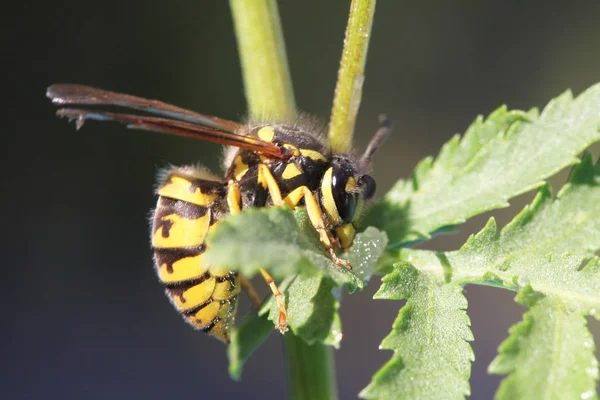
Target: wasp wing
(69, 94)
(174, 127)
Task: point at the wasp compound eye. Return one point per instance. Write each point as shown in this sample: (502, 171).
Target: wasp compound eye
(368, 186)
(342, 183)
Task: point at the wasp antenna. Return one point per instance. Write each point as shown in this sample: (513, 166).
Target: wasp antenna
(380, 137)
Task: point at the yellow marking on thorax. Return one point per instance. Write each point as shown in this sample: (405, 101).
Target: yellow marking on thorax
(290, 171)
(180, 231)
(183, 269)
(179, 188)
(266, 133)
(293, 148)
(240, 168)
(313, 155)
(195, 295)
(328, 201)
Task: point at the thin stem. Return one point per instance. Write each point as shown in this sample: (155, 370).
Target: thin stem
(351, 76)
(311, 374)
(310, 369)
(267, 79)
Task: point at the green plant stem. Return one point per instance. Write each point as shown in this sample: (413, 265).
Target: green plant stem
(310, 369)
(348, 90)
(265, 69)
(311, 374)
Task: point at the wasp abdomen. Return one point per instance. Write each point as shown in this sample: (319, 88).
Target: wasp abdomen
(187, 209)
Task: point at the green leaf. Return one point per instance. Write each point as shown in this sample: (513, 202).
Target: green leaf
(540, 254)
(544, 246)
(549, 355)
(285, 243)
(430, 337)
(311, 309)
(245, 338)
(498, 158)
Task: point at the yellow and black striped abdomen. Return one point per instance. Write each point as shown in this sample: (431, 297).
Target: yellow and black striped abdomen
(188, 208)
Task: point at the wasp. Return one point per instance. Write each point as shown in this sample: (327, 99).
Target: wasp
(267, 164)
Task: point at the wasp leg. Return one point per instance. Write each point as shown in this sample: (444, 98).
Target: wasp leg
(251, 292)
(266, 180)
(233, 197)
(282, 321)
(316, 218)
(234, 201)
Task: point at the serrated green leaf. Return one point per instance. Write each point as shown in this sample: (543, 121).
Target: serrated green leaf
(430, 337)
(312, 301)
(498, 158)
(544, 246)
(285, 243)
(245, 338)
(312, 304)
(311, 308)
(265, 238)
(549, 355)
(540, 253)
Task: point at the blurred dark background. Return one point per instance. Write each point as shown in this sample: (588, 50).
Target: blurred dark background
(85, 315)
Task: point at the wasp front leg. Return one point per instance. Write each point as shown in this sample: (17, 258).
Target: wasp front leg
(316, 219)
(312, 208)
(282, 320)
